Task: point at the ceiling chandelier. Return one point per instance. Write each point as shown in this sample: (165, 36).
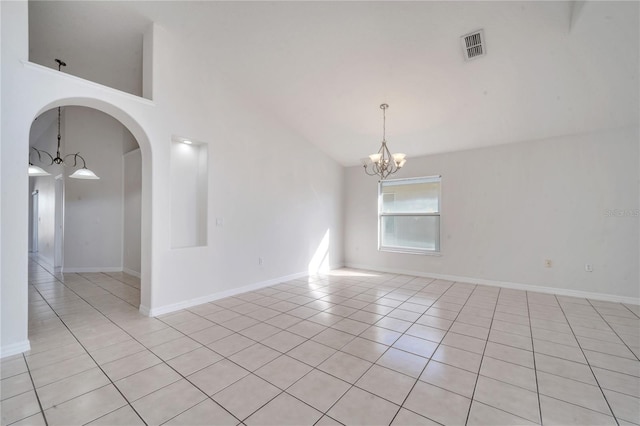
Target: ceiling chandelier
(383, 163)
(69, 160)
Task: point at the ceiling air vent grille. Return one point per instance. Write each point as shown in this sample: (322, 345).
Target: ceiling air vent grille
(473, 45)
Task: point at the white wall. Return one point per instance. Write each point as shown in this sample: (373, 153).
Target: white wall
(506, 209)
(43, 135)
(93, 208)
(132, 193)
(278, 196)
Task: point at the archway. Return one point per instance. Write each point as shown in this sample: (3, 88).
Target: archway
(140, 136)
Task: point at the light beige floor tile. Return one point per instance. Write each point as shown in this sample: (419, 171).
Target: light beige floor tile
(571, 353)
(509, 354)
(35, 420)
(54, 372)
(231, 344)
(450, 378)
(458, 358)
(193, 361)
(210, 334)
(577, 393)
(438, 404)
(86, 408)
(366, 317)
(365, 349)
(71, 387)
(358, 407)
(283, 321)
(509, 373)
(124, 416)
(168, 402)
(618, 382)
(485, 415)
(159, 337)
(467, 343)
(283, 341)
(246, 395)
(381, 335)
(624, 407)
(509, 339)
(512, 399)
(205, 413)
(562, 367)
(409, 418)
(610, 362)
(254, 356)
(403, 362)
(311, 353)
(387, 384)
(394, 324)
(13, 366)
(15, 385)
(470, 330)
(326, 318)
(283, 371)
(116, 351)
(55, 355)
(19, 407)
(193, 325)
(284, 410)
(327, 421)
(218, 376)
(431, 321)
(415, 345)
(556, 412)
(335, 339)
(345, 367)
(260, 331)
(174, 348)
(146, 381)
(318, 389)
(131, 364)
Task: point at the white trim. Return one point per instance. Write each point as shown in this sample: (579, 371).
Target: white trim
(504, 284)
(131, 272)
(161, 310)
(67, 270)
(15, 348)
(44, 262)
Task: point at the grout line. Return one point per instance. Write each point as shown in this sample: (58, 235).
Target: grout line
(475, 385)
(614, 331)
(533, 352)
(89, 354)
(588, 363)
(35, 391)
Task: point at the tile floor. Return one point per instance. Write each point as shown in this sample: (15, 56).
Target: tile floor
(352, 347)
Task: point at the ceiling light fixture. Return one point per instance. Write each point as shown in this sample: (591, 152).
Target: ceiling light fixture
(383, 163)
(81, 173)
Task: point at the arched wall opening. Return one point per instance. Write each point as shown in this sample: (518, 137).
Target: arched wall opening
(80, 106)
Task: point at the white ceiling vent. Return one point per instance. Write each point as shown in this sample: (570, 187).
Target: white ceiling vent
(473, 45)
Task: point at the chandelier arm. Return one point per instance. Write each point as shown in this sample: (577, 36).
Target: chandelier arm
(40, 152)
(75, 159)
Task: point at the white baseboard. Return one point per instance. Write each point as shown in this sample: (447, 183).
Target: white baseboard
(504, 284)
(131, 272)
(161, 310)
(71, 270)
(14, 348)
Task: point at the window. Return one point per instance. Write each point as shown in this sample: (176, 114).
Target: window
(409, 215)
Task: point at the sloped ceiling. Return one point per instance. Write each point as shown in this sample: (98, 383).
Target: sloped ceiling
(323, 68)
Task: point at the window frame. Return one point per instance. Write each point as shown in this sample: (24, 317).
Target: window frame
(438, 214)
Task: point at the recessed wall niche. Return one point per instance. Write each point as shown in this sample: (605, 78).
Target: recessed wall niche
(189, 187)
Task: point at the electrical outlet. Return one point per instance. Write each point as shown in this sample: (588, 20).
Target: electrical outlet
(219, 222)
(588, 267)
(547, 263)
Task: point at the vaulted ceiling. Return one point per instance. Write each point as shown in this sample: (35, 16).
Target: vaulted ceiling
(323, 68)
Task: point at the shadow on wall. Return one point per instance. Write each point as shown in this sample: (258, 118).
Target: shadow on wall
(320, 260)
